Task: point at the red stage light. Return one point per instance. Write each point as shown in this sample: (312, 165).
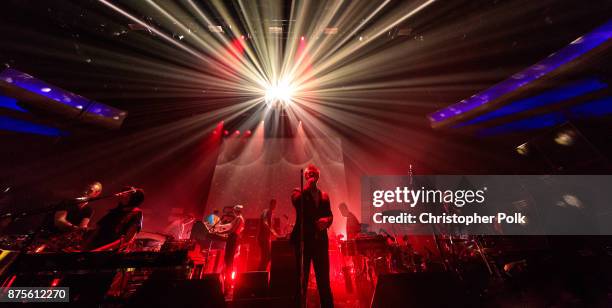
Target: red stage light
(302, 38)
(226, 132)
(233, 275)
(55, 282)
(248, 132)
(237, 132)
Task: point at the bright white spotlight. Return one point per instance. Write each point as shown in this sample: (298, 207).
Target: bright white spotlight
(280, 92)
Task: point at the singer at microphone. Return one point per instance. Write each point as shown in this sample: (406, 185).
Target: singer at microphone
(317, 217)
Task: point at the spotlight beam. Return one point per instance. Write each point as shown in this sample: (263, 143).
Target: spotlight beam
(157, 32)
(356, 46)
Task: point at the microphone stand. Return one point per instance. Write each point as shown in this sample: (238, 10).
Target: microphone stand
(302, 274)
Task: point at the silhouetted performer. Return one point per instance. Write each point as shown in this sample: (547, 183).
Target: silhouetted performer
(353, 227)
(317, 218)
(120, 225)
(71, 215)
(233, 229)
(264, 235)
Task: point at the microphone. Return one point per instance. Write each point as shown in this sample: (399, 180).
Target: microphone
(129, 190)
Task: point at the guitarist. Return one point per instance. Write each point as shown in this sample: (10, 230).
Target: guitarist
(264, 235)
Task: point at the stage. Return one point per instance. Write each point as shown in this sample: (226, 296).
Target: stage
(294, 153)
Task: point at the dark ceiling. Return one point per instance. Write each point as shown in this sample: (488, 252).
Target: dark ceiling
(85, 47)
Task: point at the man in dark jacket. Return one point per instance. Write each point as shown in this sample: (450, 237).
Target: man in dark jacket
(317, 217)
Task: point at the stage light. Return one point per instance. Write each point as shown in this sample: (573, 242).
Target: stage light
(237, 132)
(522, 149)
(226, 132)
(302, 38)
(565, 138)
(573, 201)
(248, 133)
(280, 92)
(55, 282)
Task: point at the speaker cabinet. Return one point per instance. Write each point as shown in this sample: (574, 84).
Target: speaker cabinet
(283, 269)
(251, 285)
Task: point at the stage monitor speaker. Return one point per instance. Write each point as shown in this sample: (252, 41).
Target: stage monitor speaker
(205, 292)
(251, 285)
(418, 290)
